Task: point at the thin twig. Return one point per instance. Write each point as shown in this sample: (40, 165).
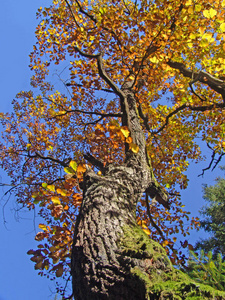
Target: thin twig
(151, 219)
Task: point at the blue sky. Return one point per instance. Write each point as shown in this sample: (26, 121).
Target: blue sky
(18, 279)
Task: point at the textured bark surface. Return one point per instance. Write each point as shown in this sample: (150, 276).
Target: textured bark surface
(99, 269)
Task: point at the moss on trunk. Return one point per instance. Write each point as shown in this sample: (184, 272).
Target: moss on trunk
(153, 267)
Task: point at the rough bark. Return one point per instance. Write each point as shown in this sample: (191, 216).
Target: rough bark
(101, 271)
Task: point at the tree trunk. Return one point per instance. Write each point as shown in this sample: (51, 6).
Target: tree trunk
(99, 267)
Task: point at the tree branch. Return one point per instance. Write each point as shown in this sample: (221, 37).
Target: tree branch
(191, 107)
(69, 6)
(212, 160)
(94, 161)
(63, 163)
(103, 115)
(80, 85)
(214, 83)
(102, 71)
(151, 219)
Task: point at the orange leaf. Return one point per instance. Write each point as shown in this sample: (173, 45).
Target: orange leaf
(81, 168)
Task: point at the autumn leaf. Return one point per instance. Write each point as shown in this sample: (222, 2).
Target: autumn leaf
(43, 227)
(73, 165)
(56, 200)
(51, 187)
(81, 168)
(222, 27)
(59, 271)
(134, 148)
(44, 185)
(69, 170)
(209, 13)
(125, 131)
(129, 140)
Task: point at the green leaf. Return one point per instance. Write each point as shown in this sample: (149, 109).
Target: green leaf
(69, 170)
(44, 185)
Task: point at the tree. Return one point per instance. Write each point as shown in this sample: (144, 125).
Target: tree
(204, 269)
(145, 79)
(214, 218)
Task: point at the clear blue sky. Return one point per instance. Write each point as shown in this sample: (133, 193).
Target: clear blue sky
(18, 279)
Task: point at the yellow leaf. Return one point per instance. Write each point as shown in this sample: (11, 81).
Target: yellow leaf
(73, 165)
(125, 131)
(61, 192)
(56, 200)
(207, 36)
(222, 27)
(146, 230)
(209, 13)
(198, 7)
(43, 227)
(204, 43)
(188, 3)
(51, 187)
(154, 60)
(131, 77)
(134, 148)
(193, 36)
(44, 185)
(69, 170)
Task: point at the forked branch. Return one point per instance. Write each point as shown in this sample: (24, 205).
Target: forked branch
(214, 83)
(102, 71)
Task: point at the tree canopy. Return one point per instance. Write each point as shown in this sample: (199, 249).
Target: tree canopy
(171, 55)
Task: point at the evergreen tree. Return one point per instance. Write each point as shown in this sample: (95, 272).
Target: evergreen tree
(204, 269)
(214, 219)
